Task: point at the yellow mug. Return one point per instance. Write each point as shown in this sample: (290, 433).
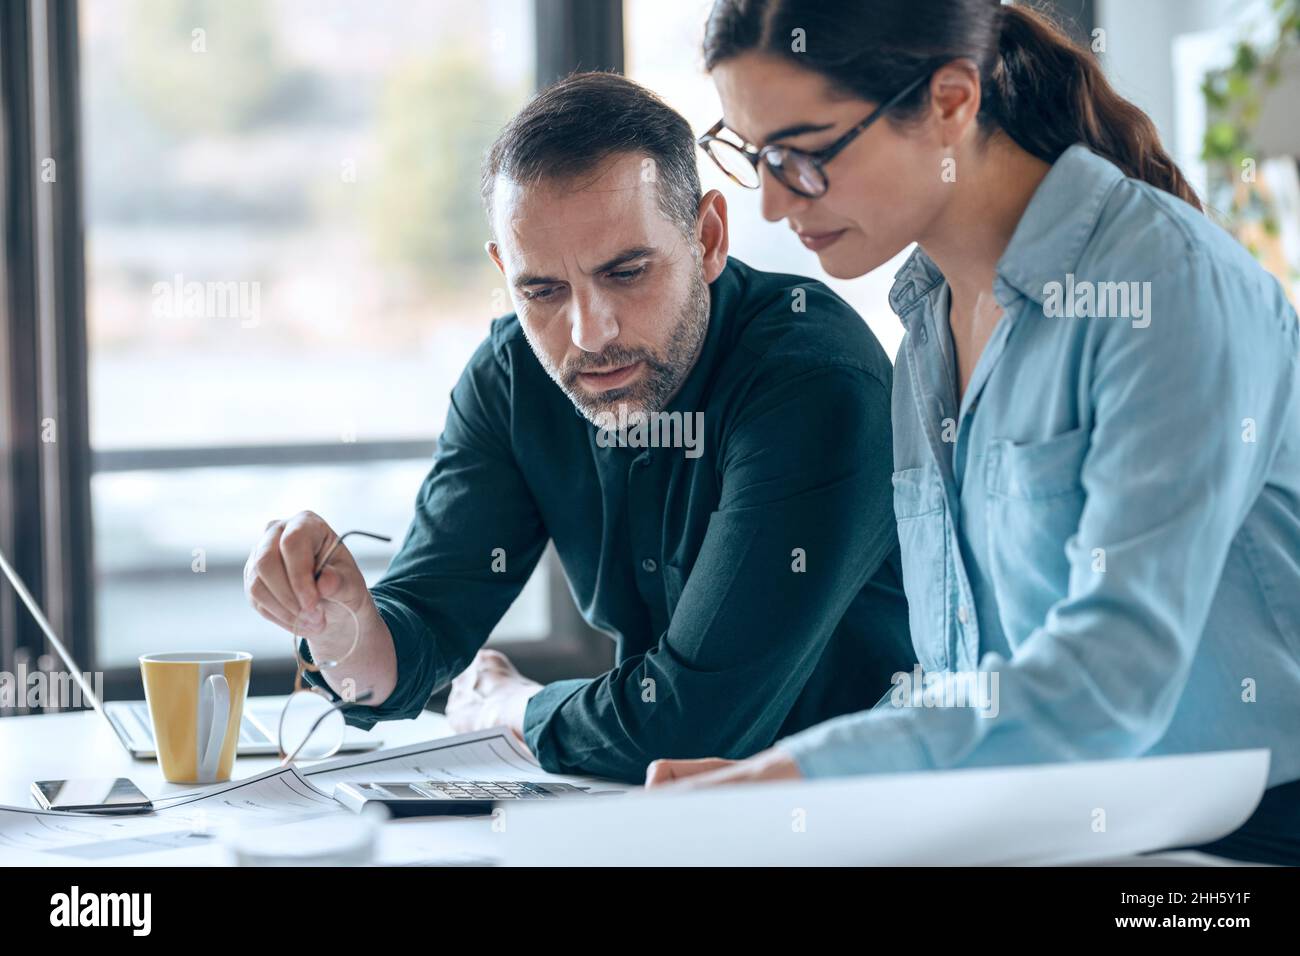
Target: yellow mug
(196, 703)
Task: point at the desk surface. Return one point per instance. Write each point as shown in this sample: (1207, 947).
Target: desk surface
(82, 744)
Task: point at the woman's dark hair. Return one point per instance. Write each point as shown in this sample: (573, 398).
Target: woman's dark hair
(1038, 86)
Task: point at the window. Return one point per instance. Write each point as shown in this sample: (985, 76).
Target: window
(284, 278)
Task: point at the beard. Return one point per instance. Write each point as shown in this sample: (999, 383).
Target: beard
(664, 372)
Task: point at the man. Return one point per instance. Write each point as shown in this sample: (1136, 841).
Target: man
(708, 447)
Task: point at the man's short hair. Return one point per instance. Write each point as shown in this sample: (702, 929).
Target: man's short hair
(574, 125)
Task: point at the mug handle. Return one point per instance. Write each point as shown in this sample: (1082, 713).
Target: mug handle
(217, 689)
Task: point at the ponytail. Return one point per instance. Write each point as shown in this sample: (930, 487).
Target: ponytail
(1047, 94)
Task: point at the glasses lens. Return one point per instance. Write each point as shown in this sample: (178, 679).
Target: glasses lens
(333, 641)
(311, 726)
(732, 161)
(796, 170)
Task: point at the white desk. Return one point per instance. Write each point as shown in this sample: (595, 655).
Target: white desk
(82, 744)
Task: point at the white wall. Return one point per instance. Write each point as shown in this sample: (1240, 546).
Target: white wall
(1140, 37)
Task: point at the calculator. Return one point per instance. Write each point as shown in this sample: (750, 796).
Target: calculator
(423, 798)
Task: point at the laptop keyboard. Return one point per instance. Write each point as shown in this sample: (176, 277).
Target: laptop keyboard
(249, 732)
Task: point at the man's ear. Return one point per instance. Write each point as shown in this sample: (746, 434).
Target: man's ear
(711, 232)
(494, 254)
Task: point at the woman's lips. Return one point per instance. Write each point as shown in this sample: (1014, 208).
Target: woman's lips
(817, 241)
(613, 378)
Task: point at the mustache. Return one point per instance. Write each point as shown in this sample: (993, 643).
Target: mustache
(614, 356)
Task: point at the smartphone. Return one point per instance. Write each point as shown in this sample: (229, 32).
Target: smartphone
(91, 795)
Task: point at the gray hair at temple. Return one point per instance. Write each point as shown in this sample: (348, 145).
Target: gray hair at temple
(575, 124)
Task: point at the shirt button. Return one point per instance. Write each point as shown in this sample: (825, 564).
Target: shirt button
(963, 615)
(923, 335)
(649, 566)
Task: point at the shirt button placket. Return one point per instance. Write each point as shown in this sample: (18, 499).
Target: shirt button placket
(649, 565)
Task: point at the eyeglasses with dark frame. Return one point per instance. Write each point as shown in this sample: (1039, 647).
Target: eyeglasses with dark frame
(803, 172)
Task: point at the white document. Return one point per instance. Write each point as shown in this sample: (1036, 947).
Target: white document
(1043, 814)
(185, 828)
(182, 822)
(494, 754)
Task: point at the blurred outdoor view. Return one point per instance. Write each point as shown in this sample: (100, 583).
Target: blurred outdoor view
(313, 166)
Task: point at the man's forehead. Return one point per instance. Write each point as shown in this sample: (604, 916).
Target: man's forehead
(603, 211)
(619, 181)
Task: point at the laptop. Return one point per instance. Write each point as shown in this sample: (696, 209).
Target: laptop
(257, 730)
(130, 719)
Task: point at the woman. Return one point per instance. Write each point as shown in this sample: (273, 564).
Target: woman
(1096, 406)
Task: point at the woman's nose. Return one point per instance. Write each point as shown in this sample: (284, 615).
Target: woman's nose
(778, 202)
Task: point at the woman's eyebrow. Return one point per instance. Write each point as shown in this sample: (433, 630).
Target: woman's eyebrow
(798, 129)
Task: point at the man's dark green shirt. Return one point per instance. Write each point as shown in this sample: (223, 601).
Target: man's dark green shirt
(751, 591)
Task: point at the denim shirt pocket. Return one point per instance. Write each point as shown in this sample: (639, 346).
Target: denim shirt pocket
(921, 513)
(1035, 500)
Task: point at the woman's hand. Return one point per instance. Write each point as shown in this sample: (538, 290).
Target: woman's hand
(771, 764)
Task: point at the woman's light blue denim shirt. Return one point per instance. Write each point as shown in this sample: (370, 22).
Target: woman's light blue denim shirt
(1101, 544)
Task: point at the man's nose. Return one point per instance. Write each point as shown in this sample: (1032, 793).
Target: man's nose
(778, 202)
(592, 322)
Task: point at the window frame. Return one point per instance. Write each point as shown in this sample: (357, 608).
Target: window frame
(42, 335)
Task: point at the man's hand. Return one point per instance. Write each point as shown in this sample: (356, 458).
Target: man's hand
(280, 583)
(771, 764)
(488, 693)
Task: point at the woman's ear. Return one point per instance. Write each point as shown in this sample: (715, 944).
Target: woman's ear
(955, 99)
(711, 232)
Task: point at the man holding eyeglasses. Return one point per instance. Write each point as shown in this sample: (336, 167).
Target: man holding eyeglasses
(747, 569)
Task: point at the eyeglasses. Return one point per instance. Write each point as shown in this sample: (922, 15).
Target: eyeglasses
(312, 723)
(800, 171)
